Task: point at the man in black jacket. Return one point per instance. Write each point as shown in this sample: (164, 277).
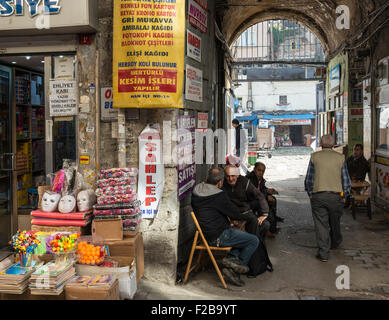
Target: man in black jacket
(241, 144)
(244, 195)
(212, 208)
(256, 178)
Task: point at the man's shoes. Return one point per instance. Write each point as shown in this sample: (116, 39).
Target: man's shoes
(232, 277)
(279, 219)
(321, 258)
(270, 234)
(235, 264)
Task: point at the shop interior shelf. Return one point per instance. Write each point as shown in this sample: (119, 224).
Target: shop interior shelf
(38, 138)
(3, 176)
(20, 173)
(37, 106)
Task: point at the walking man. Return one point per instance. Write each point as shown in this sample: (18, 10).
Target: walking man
(326, 179)
(241, 144)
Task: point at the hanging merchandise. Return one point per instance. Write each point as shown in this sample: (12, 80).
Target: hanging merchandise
(115, 200)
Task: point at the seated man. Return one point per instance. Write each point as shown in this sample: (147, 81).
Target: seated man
(256, 178)
(357, 164)
(244, 195)
(213, 208)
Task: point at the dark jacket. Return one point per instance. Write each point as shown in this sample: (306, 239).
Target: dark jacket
(254, 180)
(212, 206)
(246, 196)
(237, 137)
(357, 168)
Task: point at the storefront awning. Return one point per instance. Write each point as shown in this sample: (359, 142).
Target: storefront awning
(287, 117)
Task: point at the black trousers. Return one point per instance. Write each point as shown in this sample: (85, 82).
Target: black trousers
(327, 210)
(273, 215)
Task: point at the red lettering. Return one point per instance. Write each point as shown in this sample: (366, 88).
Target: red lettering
(149, 201)
(151, 158)
(150, 146)
(149, 180)
(150, 191)
(150, 168)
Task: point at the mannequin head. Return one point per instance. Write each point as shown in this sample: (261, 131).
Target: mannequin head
(85, 200)
(50, 201)
(67, 204)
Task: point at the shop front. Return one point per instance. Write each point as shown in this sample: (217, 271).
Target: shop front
(39, 98)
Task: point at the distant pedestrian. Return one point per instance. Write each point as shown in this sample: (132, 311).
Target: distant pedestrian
(241, 144)
(326, 179)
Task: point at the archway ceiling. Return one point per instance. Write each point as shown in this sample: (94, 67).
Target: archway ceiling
(317, 15)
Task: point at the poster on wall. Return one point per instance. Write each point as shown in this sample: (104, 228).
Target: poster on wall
(202, 121)
(64, 68)
(194, 84)
(108, 112)
(186, 128)
(63, 97)
(198, 16)
(151, 178)
(148, 54)
(193, 46)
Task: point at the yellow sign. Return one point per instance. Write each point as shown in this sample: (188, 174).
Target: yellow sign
(84, 160)
(148, 53)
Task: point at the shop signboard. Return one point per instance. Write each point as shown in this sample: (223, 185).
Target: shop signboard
(194, 84)
(193, 46)
(335, 80)
(198, 16)
(186, 129)
(151, 178)
(26, 17)
(108, 113)
(148, 54)
(296, 122)
(356, 114)
(63, 96)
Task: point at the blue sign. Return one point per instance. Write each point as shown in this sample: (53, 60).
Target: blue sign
(16, 7)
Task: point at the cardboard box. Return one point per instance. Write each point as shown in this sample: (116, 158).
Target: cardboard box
(93, 293)
(129, 247)
(85, 231)
(110, 229)
(131, 233)
(28, 296)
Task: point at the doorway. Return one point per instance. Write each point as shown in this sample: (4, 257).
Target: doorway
(27, 153)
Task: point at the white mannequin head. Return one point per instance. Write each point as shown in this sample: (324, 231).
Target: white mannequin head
(85, 200)
(67, 204)
(50, 201)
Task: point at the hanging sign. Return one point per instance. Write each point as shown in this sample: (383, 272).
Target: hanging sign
(108, 113)
(194, 84)
(198, 16)
(148, 54)
(151, 172)
(186, 128)
(63, 96)
(193, 46)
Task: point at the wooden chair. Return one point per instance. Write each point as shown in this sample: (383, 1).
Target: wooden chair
(203, 246)
(358, 195)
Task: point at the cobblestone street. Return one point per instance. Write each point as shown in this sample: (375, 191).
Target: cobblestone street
(297, 273)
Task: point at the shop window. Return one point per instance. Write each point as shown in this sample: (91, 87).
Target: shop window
(283, 100)
(383, 130)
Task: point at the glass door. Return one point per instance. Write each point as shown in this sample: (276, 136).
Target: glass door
(6, 156)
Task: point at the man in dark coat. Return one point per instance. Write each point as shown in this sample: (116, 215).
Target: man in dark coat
(256, 178)
(213, 209)
(357, 164)
(244, 195)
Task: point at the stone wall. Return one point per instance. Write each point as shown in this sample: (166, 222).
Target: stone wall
(167, 239)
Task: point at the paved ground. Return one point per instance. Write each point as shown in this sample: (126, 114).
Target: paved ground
(297, 274)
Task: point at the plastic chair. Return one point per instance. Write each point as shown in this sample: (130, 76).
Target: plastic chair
(202, 245)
